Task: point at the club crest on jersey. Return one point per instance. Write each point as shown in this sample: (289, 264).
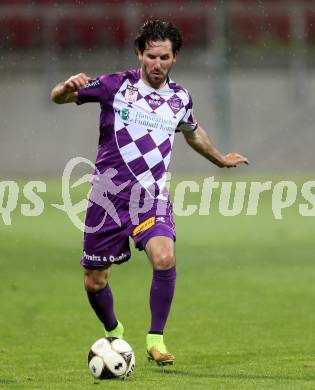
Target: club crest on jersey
(131, 94)
(175, 103)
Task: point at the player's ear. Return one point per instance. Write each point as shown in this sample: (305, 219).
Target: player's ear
(139, 54)
(175, 57)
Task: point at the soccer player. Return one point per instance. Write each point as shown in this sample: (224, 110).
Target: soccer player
(141, 109)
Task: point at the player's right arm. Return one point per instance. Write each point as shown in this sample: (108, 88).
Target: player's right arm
(68, 91)
(200, 142)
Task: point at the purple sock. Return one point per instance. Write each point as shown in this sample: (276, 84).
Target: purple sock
(161, 296)
(103, 305)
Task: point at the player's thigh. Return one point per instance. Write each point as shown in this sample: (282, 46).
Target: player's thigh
(96, 279)
(161, 252)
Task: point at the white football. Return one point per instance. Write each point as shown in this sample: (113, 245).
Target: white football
(111, 358)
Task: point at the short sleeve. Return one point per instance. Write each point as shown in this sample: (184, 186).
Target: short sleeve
(188, 123)
(92, 92)
(100, 89)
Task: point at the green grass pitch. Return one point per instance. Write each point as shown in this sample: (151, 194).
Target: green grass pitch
(243, 316)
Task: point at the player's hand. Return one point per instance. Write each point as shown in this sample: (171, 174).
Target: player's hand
(76, 82)
(231, 160)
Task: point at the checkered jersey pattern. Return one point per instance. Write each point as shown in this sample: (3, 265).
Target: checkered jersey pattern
(145, 124)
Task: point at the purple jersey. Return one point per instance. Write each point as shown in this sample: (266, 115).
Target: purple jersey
(137, 127)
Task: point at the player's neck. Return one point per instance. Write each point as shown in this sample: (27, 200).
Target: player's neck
(147, 82)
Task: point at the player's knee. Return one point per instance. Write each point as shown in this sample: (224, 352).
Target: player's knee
(92, 285)
(164, 260)
(94, 280)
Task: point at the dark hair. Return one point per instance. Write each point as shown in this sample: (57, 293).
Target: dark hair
(158, 30)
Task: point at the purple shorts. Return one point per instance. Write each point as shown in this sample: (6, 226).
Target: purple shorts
(106, 239)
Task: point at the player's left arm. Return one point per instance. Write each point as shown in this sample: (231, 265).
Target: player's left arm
(201, 143)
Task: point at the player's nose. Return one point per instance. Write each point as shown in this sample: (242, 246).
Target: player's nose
(157, 64)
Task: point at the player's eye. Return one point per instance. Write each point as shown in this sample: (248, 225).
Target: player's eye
(166, 57)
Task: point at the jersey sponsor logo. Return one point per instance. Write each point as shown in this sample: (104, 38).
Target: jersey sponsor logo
(96, 83)
(154, 100)
(154, 96)
(131, 94)
(160, 219)
(144, 226)
(98, 258)
(125, 114)
(148, 120)
(113, 259)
